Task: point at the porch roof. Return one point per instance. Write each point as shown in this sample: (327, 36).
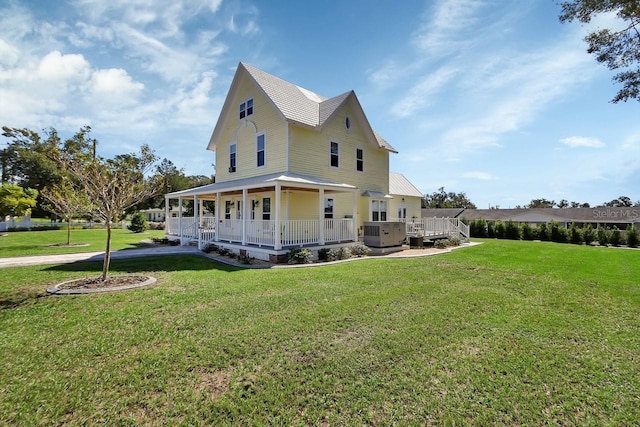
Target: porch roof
(285, 179)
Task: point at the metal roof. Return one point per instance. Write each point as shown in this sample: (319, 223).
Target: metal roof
(399, 185)
(292, 179)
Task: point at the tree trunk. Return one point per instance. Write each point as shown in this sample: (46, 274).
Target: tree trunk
(68, 231)
(107, 254)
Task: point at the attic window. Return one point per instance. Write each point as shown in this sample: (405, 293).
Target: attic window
(246, 108)
(347, 123)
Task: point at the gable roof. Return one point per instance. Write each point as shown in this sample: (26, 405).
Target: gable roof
(399, 185)
(296, 104)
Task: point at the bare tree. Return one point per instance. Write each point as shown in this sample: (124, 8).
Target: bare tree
(67, 202)
(112, 185)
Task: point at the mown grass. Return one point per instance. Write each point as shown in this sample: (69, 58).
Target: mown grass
(26, 243)
(503, 333)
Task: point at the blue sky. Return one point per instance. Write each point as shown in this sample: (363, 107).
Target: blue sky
(493, 98)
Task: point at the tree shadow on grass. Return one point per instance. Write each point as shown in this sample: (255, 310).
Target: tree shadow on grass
(166, 263)
(148, 265)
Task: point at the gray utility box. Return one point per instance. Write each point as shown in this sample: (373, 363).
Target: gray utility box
(384, 234)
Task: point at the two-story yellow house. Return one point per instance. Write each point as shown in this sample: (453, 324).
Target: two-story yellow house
(293, 169)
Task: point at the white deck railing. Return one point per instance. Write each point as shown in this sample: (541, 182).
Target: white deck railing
(262, 233)
(435, 227)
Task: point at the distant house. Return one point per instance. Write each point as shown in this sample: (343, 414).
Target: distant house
(609, 217)
(293, 168)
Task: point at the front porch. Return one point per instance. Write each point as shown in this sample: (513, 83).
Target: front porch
(265, 216)
(261, 233)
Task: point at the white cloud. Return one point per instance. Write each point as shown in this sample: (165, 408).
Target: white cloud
(63, 68)
(115, 85)
(446, 25)
(424, 92)
(484, 176)
(582, 141)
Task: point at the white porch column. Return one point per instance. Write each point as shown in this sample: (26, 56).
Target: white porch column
(196, 218)
(167, 227)
(321, 216)
(244, 216)
(201, 210)
(355, 216)
(278, 239)
(180, 220)
(217, 218)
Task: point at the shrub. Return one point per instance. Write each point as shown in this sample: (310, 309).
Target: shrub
(138, 223)
(512, 230)
(603, 235)
(632, 236)
(588, 234)
(441, 244)
(245, 258)
(615, 238)
(453, 241)
(299, 256)
(575, 235)
(558, 234)
(210, 247)
(490, 229)
(156, 226)
(499, 230)
(543, 232)
(359, 250)
(338, 253)
(323, 254)
(478, 228)
(165, 241)
(527, 232)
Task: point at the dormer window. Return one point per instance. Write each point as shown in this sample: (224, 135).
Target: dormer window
(246, 108)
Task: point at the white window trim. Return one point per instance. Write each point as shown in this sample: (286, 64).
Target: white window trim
(245, 102)
(236, 153)
(330, 154)
(263, 134)
(362, 149)
(379, 210)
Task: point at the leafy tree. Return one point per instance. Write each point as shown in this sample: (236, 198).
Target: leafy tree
(512, 230)
(16, 201)
(527, 232)
(112, 185)
(67, 202)
(541, 203)
(564, 203)
(620, 202)
(442, 199)
(619, 49)
(26, 162)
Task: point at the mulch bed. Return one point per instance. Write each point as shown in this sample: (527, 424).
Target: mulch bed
(95, 284)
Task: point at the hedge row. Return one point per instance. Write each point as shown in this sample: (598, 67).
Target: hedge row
(556, 232)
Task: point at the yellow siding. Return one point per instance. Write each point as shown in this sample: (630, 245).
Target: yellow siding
(310, 155)
(412, 204)
(265, 119)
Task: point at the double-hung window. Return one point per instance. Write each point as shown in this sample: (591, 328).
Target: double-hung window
(232, 158)
(246, 108)
(359, 159)
(335, 155)
(328, 208)
(378, 210)
(260, 150)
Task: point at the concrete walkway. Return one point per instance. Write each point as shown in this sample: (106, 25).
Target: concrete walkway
(97, 256)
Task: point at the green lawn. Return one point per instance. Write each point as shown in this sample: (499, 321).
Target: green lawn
(22, 243)
(503, 333)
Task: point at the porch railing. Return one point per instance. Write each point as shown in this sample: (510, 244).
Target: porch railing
(435, 227)
(262, 233)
